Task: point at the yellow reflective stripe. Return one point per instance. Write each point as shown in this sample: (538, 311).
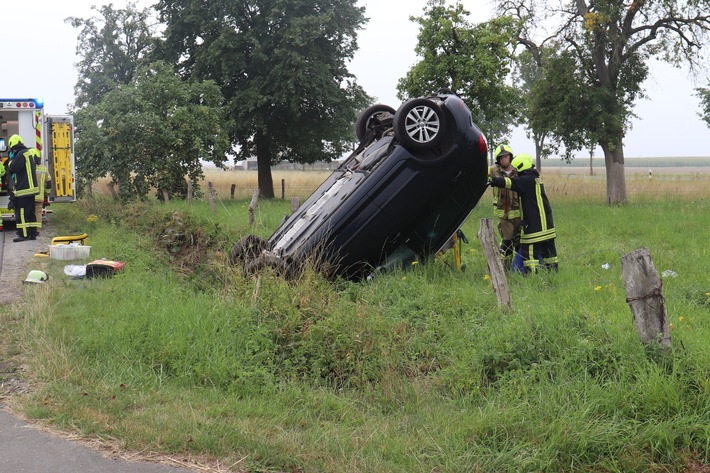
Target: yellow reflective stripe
(508, 183)
(501, 213)
(540, 203)
(26, 192)
(41, 182)
(538, 236)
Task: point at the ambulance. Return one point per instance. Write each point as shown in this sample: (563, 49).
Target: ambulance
(52, 135)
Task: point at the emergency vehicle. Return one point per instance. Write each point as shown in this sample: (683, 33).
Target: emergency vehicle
(52, 135)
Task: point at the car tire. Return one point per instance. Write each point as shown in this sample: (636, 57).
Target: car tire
(364, 120)
(246, 249)
(279, 266)
(419, 124)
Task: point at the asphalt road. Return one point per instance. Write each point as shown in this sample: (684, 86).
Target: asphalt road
(25, 447)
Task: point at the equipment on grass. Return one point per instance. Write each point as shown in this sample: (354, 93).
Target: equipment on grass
(36, 276)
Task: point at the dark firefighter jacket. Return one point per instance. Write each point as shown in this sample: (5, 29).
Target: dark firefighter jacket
(537, 222)
(23, 170)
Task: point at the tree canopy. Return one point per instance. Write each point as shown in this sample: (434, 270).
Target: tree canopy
(281, 66)
(152, 133)
(704, 94)
(139, 122)
(111, 47)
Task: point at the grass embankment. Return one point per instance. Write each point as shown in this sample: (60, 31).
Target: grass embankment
(414, 371)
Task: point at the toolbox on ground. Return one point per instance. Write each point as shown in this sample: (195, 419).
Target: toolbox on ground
(102, 268)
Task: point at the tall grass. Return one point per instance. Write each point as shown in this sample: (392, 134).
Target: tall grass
(416, 370)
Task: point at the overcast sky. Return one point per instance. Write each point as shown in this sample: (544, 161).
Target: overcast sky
(40, 64)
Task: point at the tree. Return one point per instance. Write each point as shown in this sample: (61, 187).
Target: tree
(111, 48)
(611, 42)
(558, 105)
(528, 73)
(704, 94)
(474, 61)
(153, 132)
(281, 65)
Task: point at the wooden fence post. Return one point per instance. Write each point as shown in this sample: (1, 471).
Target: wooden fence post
(283, 189)
(189, 192)
(166, 197)
(231, 191)
(112, 190)
(252, 206)
(211, 196)
(295, 204)
(487, 236)
(644, 295)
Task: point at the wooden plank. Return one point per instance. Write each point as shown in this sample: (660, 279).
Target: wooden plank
(487, 236)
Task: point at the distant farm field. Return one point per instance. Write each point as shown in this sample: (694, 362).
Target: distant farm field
(565, 182)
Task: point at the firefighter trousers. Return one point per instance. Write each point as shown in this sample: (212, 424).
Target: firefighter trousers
(25, 220)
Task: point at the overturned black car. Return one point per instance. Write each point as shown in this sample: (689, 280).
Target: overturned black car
(400, 196)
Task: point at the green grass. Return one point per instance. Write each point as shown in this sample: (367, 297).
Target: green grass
(413, 371)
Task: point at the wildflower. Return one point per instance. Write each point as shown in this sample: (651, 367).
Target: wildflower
(680, 319)
(415, 262)
(671, 326)
(487, 277)
(92, 218)
(597, 288)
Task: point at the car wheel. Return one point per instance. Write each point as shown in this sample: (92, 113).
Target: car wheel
(247, 249)
(419, 124)
(279, 266)
(365, 119)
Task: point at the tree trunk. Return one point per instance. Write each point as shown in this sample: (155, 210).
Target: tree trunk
(615, 173)
(539, 143)
(263, 161)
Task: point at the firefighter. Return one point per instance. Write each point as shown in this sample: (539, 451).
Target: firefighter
(537, 236)
(506, 205)
(23, 171)
(43, 184)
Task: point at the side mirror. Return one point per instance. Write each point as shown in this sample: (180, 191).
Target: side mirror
(3, 146)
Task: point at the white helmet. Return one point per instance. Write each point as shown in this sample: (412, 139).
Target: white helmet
(37, 276)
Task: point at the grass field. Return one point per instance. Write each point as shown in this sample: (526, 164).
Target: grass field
(415, 371)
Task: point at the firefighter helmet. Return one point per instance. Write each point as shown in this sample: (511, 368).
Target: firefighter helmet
(502, 150)
(523, 162)
(37, 276)
(14, 141)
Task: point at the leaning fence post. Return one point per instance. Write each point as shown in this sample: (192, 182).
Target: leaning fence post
(487, 236)
(283, 189)
(252, 206)
(231, 191)
(211, 196)
(295, 204)
(644, 294)
(112, 189)
(189, 192)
